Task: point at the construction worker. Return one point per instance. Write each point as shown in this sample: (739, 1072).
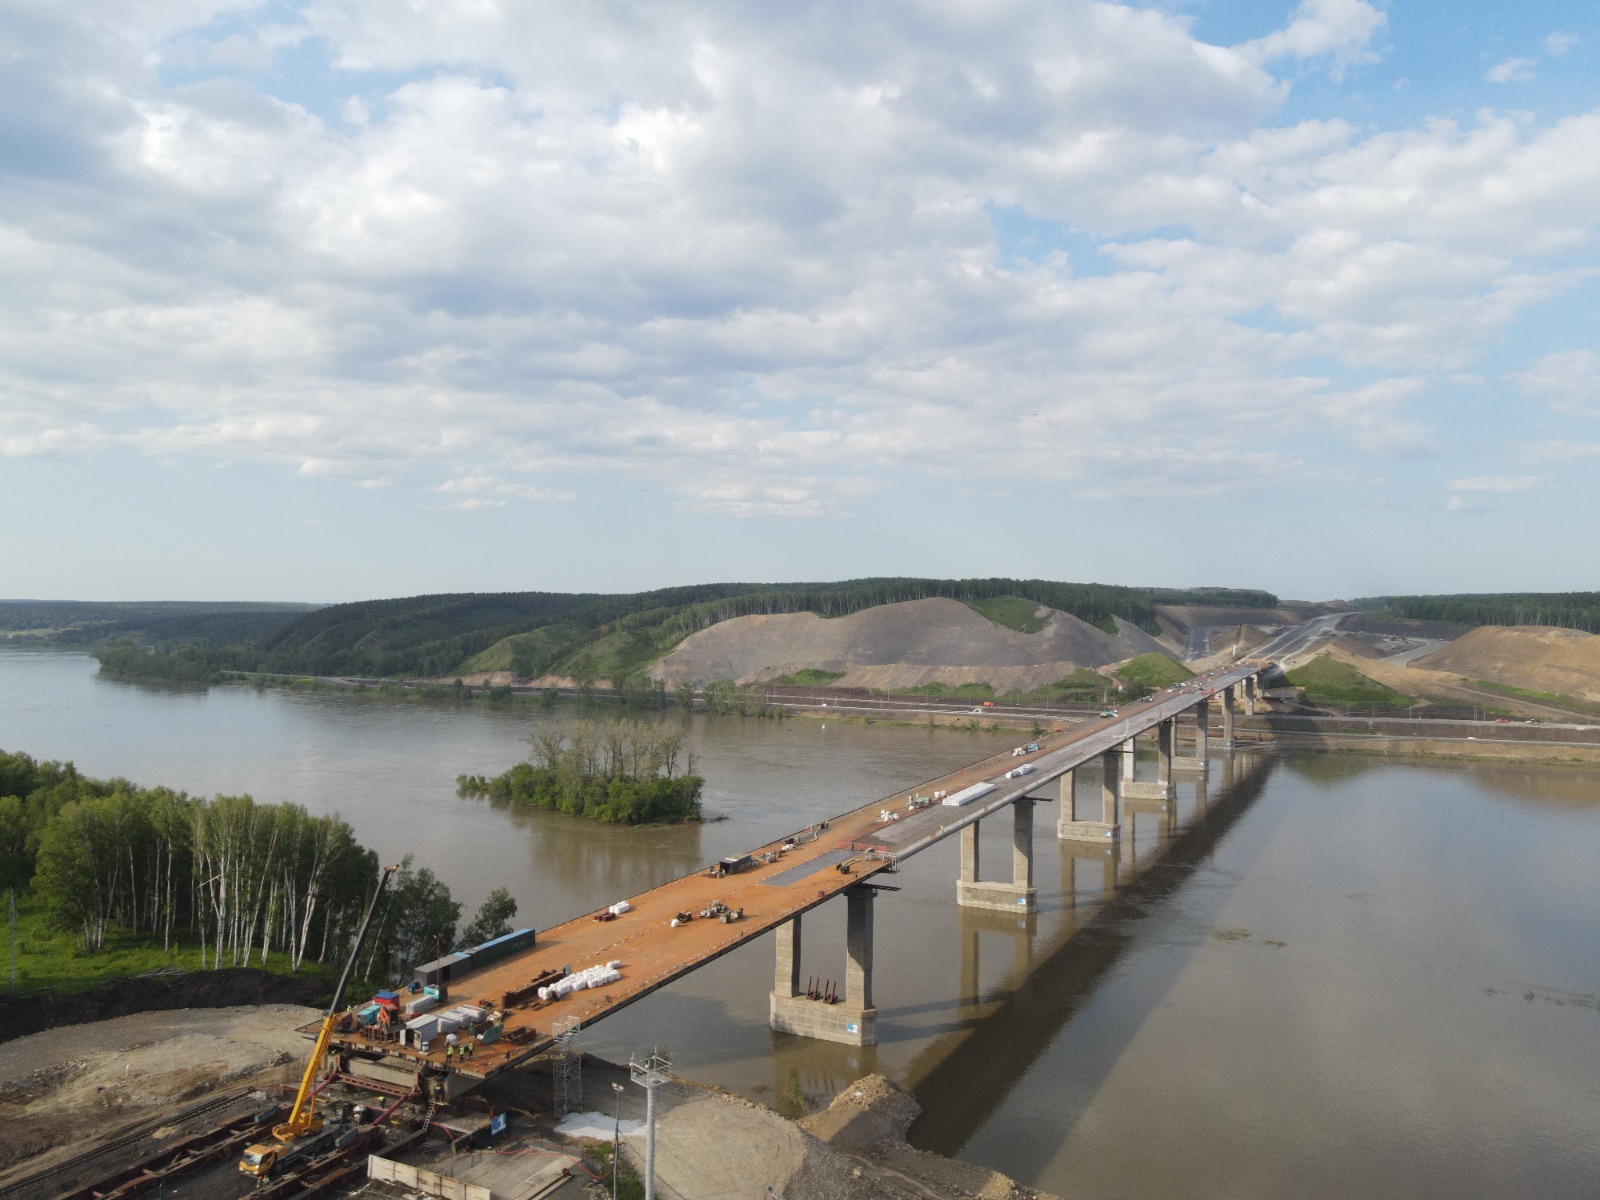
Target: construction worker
(449, 1054)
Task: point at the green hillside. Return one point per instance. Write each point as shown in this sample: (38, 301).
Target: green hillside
(1151, 671)
(588, 634)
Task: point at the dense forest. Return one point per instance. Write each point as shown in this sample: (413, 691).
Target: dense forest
(246, 883)
(621, 772)
(581, 634)
(1568, 610)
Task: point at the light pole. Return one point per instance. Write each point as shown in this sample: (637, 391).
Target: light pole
(616, 1138)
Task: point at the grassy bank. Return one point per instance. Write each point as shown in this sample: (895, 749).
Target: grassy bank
(50, 958)
(1326, 680)
(1553, 699)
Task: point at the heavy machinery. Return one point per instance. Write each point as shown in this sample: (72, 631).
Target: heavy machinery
(301, 1135)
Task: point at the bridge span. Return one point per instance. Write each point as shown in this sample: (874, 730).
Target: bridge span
(789, 877)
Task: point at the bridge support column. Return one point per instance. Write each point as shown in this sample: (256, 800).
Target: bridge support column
(1161, 788)
(1227, 717)
(1250, 695)
(786, 976)
(851, 1022)
(1199, 760)
(1109, 827)
(1017, 896)
(1128, 760)
(1068, 812)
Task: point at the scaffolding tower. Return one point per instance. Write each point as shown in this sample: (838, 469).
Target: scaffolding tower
(566, 1066)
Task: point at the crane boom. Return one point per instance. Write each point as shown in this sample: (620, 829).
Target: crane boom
(303, 1117)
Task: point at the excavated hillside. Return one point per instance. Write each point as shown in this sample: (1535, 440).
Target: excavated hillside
(902, 645)
(1539, 658)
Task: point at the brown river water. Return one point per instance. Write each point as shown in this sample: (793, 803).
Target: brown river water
(1339, 976)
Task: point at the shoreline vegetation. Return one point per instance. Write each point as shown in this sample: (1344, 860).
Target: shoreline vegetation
(618, 772)
(105, 878)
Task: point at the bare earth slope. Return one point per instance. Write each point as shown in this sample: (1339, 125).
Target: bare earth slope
(1539, 658)
(901, 645)
(64, 1085)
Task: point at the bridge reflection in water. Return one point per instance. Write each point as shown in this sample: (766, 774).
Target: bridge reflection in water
(1110, 890)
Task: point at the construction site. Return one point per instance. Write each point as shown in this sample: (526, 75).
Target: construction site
(420, 1089)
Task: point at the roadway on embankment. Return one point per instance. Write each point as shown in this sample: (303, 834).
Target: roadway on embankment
(653, 953)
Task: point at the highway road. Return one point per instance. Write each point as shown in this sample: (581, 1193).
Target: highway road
(1301, 639)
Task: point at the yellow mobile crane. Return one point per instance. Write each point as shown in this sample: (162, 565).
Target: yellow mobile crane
(298, 1136)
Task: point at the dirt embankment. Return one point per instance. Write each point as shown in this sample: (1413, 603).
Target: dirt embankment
(1538, 658)
(902, 645)
(64, 1086)
(1443, 687)
(710, 1143)
(36, 1011)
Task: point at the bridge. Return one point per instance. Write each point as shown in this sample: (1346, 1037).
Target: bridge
(682, 924)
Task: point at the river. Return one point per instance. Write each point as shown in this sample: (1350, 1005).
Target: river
(1346, 976)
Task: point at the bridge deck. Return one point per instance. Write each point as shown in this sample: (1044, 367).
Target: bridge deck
(653, 954)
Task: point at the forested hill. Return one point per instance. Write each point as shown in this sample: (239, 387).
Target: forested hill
(584, 634)
(85, 622)
(1569, 610)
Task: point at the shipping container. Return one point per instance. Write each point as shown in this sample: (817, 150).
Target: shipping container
(422, 1029)
(497, 948)
(442, 970)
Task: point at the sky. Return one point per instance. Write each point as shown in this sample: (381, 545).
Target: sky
(344, 299)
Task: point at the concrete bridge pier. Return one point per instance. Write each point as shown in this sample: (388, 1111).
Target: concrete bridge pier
(1250, 695)
(1067, 812)
(1227, 717)
(1129, 759)
(1017, 896)
(1109, 827)
(1161, 787)
(854, 1020)
(1199, 760)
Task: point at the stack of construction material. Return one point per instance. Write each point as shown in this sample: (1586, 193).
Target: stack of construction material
(590, 977)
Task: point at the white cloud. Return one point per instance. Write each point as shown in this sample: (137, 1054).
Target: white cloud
(1557, 44)
(1511, 70)
(1568, 380)
(1495, 483)
(751, 259)
(1339, 30)
(1560, 451)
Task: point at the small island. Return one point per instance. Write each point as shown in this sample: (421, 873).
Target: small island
(620, 772)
